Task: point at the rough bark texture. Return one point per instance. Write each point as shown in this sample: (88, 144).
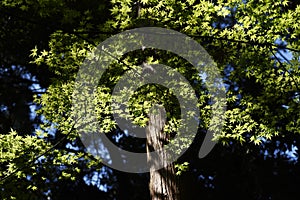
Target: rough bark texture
(163, 183)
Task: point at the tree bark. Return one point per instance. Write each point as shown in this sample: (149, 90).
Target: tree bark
(163, 183)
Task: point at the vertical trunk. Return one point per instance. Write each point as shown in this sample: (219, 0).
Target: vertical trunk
(163, 183)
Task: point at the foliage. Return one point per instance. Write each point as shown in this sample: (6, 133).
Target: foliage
(247, 39)
(15, 151)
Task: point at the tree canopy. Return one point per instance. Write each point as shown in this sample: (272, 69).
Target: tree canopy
(255, 45)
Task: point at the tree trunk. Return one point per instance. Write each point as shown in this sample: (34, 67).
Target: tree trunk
(163, 183)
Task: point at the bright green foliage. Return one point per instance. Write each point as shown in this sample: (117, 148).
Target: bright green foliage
(181, 167)
(244, 38)
(259, 84)
(22, 158)
(13, 149)
(33, 162)
(16, 150)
